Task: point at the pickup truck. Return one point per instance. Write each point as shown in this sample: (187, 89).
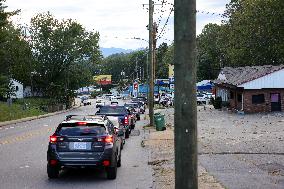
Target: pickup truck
(122, 113)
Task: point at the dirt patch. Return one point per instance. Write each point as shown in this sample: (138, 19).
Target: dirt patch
(161, 145)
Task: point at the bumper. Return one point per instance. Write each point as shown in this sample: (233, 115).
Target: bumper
(81, 159)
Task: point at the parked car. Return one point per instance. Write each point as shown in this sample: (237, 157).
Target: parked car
(87, 101)
(166, 101)
(122, 113)
(119, 128)
(156, 99)
(84, 142)
(201, 98)
(100, 103)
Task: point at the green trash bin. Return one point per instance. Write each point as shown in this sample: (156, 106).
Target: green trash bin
(159, 121)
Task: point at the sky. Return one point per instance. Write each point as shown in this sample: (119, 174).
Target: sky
(118, 21)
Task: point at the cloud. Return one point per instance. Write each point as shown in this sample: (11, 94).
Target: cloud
(116, 20)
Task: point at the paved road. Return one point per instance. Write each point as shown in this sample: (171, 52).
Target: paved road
(23, 149)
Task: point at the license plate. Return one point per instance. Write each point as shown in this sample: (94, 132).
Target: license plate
(80, 145)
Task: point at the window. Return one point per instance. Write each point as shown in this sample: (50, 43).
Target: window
(239, 97)
(17, 88)
(258, 99)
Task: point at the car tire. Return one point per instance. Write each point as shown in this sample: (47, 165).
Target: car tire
(133, 126)
(112, 172)
(138, 118)
(119, 161)
(121, 146)
(127, 133)
(52, 172)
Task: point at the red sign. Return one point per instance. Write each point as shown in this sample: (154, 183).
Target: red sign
(135, 86)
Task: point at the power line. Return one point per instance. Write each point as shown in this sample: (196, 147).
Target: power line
(161, 33)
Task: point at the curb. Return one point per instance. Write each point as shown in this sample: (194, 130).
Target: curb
(5, 123)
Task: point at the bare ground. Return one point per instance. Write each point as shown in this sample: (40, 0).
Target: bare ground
(161, 145)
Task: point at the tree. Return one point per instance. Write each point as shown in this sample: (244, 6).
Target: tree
(255, 32)
(210, 52)
(62, 50)
(252, 34)
(126, 62)
(8, 51)
(161, 67)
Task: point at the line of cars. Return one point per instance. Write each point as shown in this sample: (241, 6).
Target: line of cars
(93, 141)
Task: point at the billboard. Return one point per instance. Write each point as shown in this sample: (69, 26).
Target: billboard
(102, 79)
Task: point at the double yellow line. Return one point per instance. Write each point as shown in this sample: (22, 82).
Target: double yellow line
(26, 136)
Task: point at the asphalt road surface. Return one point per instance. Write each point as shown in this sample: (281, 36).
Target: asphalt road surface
(23, 149)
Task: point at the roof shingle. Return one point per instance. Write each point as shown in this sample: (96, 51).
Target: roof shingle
(241, 75)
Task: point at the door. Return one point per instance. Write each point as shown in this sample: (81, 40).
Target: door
(275, 102)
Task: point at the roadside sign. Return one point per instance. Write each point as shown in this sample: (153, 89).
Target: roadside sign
(171, 79)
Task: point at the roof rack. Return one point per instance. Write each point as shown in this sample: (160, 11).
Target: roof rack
(84, 117)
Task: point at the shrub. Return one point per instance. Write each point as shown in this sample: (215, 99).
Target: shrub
(94, 94)
(217, 103)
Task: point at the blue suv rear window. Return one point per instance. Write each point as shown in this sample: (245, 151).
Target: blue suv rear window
(81, 130)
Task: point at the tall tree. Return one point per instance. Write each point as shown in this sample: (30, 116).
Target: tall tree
(255, 32)
(211, 52)
(59, 47)
(161, 67)
(6, 54)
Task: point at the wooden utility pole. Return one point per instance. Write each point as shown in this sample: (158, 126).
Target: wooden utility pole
(155, 30)
(185, 95)
(151, 79)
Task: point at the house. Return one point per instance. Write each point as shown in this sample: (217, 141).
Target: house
(18, 89)
(252, 89)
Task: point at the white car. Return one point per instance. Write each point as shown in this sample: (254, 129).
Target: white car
(87, 102)
(201, 98)
(100, 103)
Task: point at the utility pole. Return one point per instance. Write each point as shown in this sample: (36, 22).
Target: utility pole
(151, 79)
(136, 69)
(185, 94)
(155, 30)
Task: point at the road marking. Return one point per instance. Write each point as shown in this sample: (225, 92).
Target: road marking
(26, 136)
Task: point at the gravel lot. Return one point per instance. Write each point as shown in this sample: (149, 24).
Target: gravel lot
(239, 151)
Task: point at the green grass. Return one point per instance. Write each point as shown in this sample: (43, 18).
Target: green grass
(17, 111)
